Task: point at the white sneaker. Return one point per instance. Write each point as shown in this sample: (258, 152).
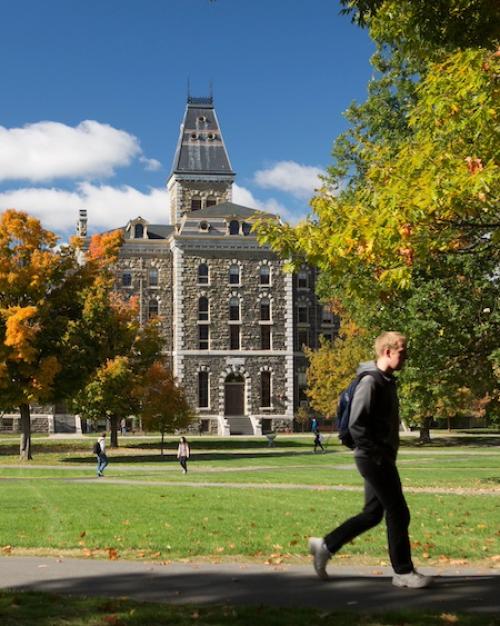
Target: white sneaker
(321, 555)
(412, 580)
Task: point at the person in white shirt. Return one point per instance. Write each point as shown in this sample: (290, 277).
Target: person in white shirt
(183, 454)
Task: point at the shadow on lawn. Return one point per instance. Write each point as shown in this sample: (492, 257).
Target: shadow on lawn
(267, 588)
(115, 457)
(479, 441)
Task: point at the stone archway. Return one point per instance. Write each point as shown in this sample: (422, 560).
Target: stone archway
(234, 395)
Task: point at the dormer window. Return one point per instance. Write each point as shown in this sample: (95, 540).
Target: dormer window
(195, 204)
(211, 202)
(234, 227)
(246, 228)
(138, 231)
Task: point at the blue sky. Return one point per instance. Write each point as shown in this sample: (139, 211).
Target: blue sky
(93, 92)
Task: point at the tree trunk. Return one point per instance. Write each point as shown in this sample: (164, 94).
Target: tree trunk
(425, 432)
(113, 422)
(25, 445)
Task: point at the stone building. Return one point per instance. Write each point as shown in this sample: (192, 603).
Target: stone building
(234, 322)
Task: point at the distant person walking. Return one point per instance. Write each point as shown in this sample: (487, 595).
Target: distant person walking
(318, 442)
(183, 453)
(314, 425)
(374, 427)
(100, 451)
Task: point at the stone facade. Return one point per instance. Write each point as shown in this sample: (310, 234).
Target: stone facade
(233, 320)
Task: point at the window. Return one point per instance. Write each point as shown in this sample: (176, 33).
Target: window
(234, 309)
(302, 338)
(234, 337)
(326, 315)
(203, 390)
(234, 275)
(302, 280)
(302, 386)
(246, 228)
(203, 337)
(265, 310)
(302, 314)
(126, 279)
(211, 202)
(153, 277)
(234, 227)
(138, 231)
(203, 274)
(195, 204)
(265, 389)
(203, 309)
(152, 308)
(265, 337)
(265, 275)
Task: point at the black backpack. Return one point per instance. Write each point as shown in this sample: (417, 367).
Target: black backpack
(344, 409)
(97, 448)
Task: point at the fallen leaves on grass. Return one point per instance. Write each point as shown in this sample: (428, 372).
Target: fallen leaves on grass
(113, 554)
(7, 549)
(449, 618)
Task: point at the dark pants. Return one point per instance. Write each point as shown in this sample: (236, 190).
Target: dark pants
(183, 462)
(383, 493)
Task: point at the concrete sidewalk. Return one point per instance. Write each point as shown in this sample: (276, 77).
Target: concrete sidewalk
(351, 588)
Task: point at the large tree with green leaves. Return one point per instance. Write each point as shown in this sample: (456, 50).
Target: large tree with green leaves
(406, 228)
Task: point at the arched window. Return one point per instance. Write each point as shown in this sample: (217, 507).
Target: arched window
(265, 310)
(265, 275)
(203, 312)
(234, 309)
(234, 227)
(203, 274)
(138, 231)
(152, 308)
(203, 336)
(234, 275)
(246, 228)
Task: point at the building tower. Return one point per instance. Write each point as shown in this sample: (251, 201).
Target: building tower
(201, 172)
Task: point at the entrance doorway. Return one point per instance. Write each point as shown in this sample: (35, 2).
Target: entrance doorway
(234, 395)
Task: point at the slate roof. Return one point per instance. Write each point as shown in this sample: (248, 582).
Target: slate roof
(201, 148)
(155, 231)
(227, 209)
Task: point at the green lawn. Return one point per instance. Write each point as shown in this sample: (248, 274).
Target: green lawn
(62, 507)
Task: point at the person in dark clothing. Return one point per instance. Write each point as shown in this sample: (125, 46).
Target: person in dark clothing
(317, 441)
(374, 426)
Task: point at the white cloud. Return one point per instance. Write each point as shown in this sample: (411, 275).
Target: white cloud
(291, 177)
(49, 150)
(108, 207)
(243, 196)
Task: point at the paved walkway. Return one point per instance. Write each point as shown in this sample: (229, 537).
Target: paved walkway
(351, 588)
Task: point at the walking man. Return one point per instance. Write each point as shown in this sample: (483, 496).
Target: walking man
(102, 459)
(374, 426)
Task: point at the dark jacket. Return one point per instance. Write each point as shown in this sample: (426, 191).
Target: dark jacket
(374, 418)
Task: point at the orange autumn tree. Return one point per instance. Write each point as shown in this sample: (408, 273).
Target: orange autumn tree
(164, 404)
(46, 302)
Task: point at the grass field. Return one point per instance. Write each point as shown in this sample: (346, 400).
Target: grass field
(260, 503)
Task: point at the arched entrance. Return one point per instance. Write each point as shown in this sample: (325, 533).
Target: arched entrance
(234, 395)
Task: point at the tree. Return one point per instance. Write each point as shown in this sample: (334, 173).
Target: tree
(113, 390)
(164, 404)
(406, 229)
(333, 365)
(44, 295)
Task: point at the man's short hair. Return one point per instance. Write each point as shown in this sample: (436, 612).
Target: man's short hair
(389, 339)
